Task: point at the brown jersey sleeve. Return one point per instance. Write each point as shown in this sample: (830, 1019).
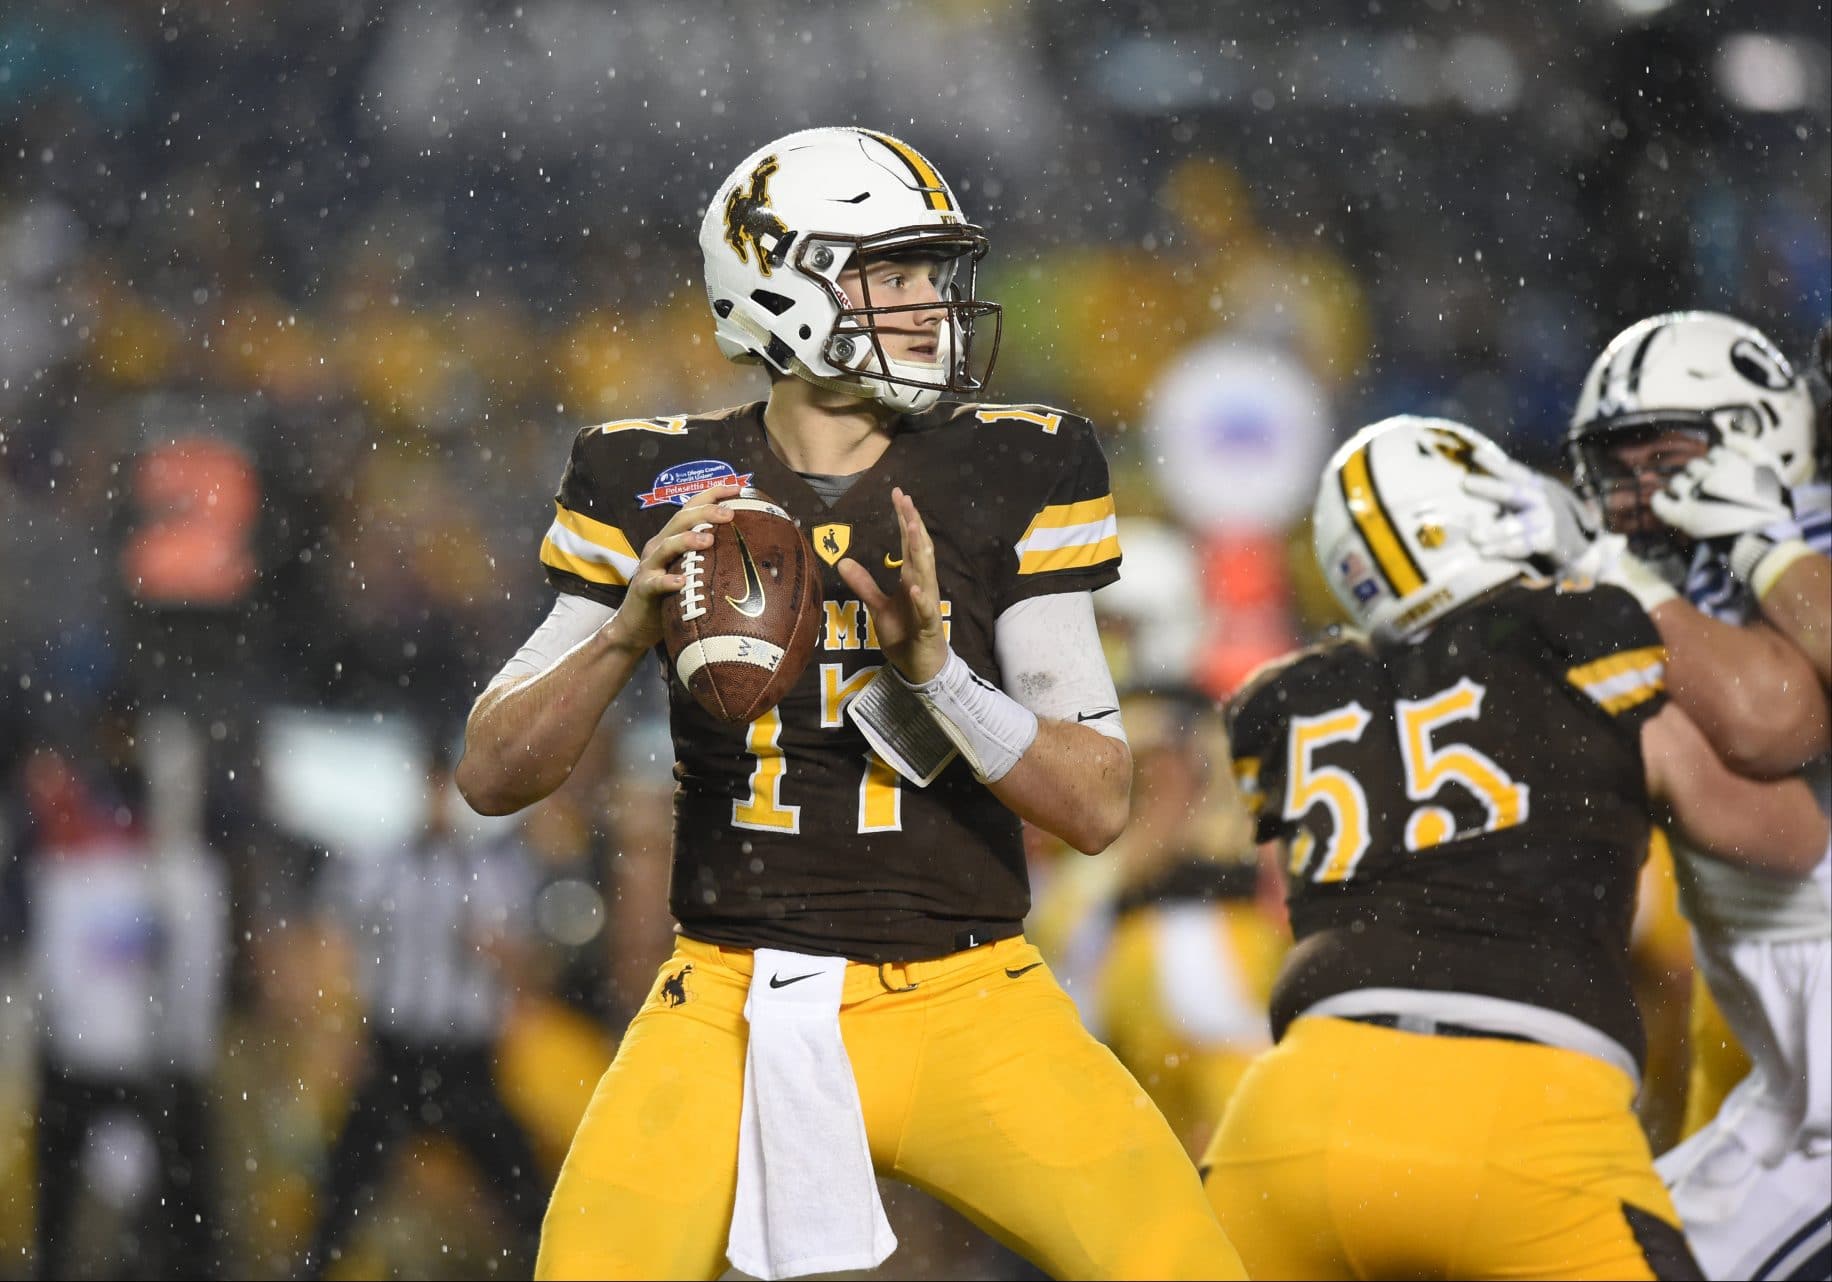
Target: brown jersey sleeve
(586, 550)
(1070, 542)
(1610, 650)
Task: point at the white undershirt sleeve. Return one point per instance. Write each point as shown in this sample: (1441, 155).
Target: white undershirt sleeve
(572, 619)
(1051, 660)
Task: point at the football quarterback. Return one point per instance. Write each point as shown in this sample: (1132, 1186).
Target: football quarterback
(851, 993)
(1463, 791)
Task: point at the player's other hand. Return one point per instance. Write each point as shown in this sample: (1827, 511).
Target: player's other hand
(908, 618)
(638, 622)
(1734, 489)
(1540, 517)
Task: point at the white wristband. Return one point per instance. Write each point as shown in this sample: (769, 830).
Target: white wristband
(1759, 560)
(989, 727)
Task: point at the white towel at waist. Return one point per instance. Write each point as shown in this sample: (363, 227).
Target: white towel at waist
(807, 1199)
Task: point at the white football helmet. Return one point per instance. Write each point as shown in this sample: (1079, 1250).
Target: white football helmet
(1688, 372)
(1392, 523)
(800, 211)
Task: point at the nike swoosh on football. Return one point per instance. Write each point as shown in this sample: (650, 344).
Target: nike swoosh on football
(1022, 970)
(751, 605)
(1096, 715)
(777, 981)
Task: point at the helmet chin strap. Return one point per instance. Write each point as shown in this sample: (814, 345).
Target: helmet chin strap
(902, 397)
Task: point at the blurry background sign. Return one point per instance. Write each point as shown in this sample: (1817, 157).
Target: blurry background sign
(197, 506)
(1238, 429)
(351, 783)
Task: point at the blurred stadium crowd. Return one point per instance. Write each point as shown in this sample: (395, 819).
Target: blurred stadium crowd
(357, 268)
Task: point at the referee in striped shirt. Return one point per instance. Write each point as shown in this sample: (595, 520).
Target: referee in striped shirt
(435, 929)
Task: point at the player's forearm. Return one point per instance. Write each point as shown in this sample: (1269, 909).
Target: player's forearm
(524, 737)
(1072, 782)
(1773, 827)
(1754, 695)
(1799, 605)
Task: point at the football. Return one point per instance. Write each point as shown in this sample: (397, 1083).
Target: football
(743, 626)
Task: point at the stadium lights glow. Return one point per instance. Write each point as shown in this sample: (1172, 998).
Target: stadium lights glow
(1763, 73)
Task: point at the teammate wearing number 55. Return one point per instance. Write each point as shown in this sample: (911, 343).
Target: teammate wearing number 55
(1464, 793)
(851, 994)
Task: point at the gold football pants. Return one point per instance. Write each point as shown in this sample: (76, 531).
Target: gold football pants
(1353, 1151)
(1719, 1061)
(978, 1085)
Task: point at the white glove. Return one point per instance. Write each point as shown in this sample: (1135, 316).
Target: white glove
(1608, 560)
(1541, 517)
(1735, 489)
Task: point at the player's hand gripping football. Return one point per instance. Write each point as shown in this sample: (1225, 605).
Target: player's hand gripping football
(639, 619)
(908, 618)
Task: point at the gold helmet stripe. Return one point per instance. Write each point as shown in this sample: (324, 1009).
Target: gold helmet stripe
(926, 178)
(1377, 530)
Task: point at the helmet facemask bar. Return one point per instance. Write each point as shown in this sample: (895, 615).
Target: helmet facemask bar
(1599, 475)
(855, 344)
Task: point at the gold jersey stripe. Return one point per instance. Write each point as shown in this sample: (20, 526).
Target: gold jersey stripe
(590, 571)
(590, 549)
(1620, 681)
(1077, 556)
(1611, 665)
(1628, 699)
(1060, 516)
(1390, 552)
(608, 537)
(926, 177)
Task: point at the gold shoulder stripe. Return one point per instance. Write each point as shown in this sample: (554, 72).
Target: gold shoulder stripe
(1620, 681)
(588, 548)
(927, 179)
(1377, 531)
(1070, 536)
(1059, 516)
(1070, 558)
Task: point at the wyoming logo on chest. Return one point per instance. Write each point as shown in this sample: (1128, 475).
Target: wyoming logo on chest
(831, 541)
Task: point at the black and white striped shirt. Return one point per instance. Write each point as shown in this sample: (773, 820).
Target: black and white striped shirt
(421, 919)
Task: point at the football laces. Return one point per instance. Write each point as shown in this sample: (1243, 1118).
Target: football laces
(693, 590)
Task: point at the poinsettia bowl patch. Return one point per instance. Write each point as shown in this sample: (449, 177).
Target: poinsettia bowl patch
(684, 480)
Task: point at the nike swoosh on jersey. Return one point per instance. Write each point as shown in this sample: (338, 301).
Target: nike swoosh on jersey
(1096, 715)
(1022, 970)
(892, 562)
(751, 605)
(777, 981)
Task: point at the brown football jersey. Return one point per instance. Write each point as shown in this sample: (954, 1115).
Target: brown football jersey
(1467, 813)
(789, 832)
